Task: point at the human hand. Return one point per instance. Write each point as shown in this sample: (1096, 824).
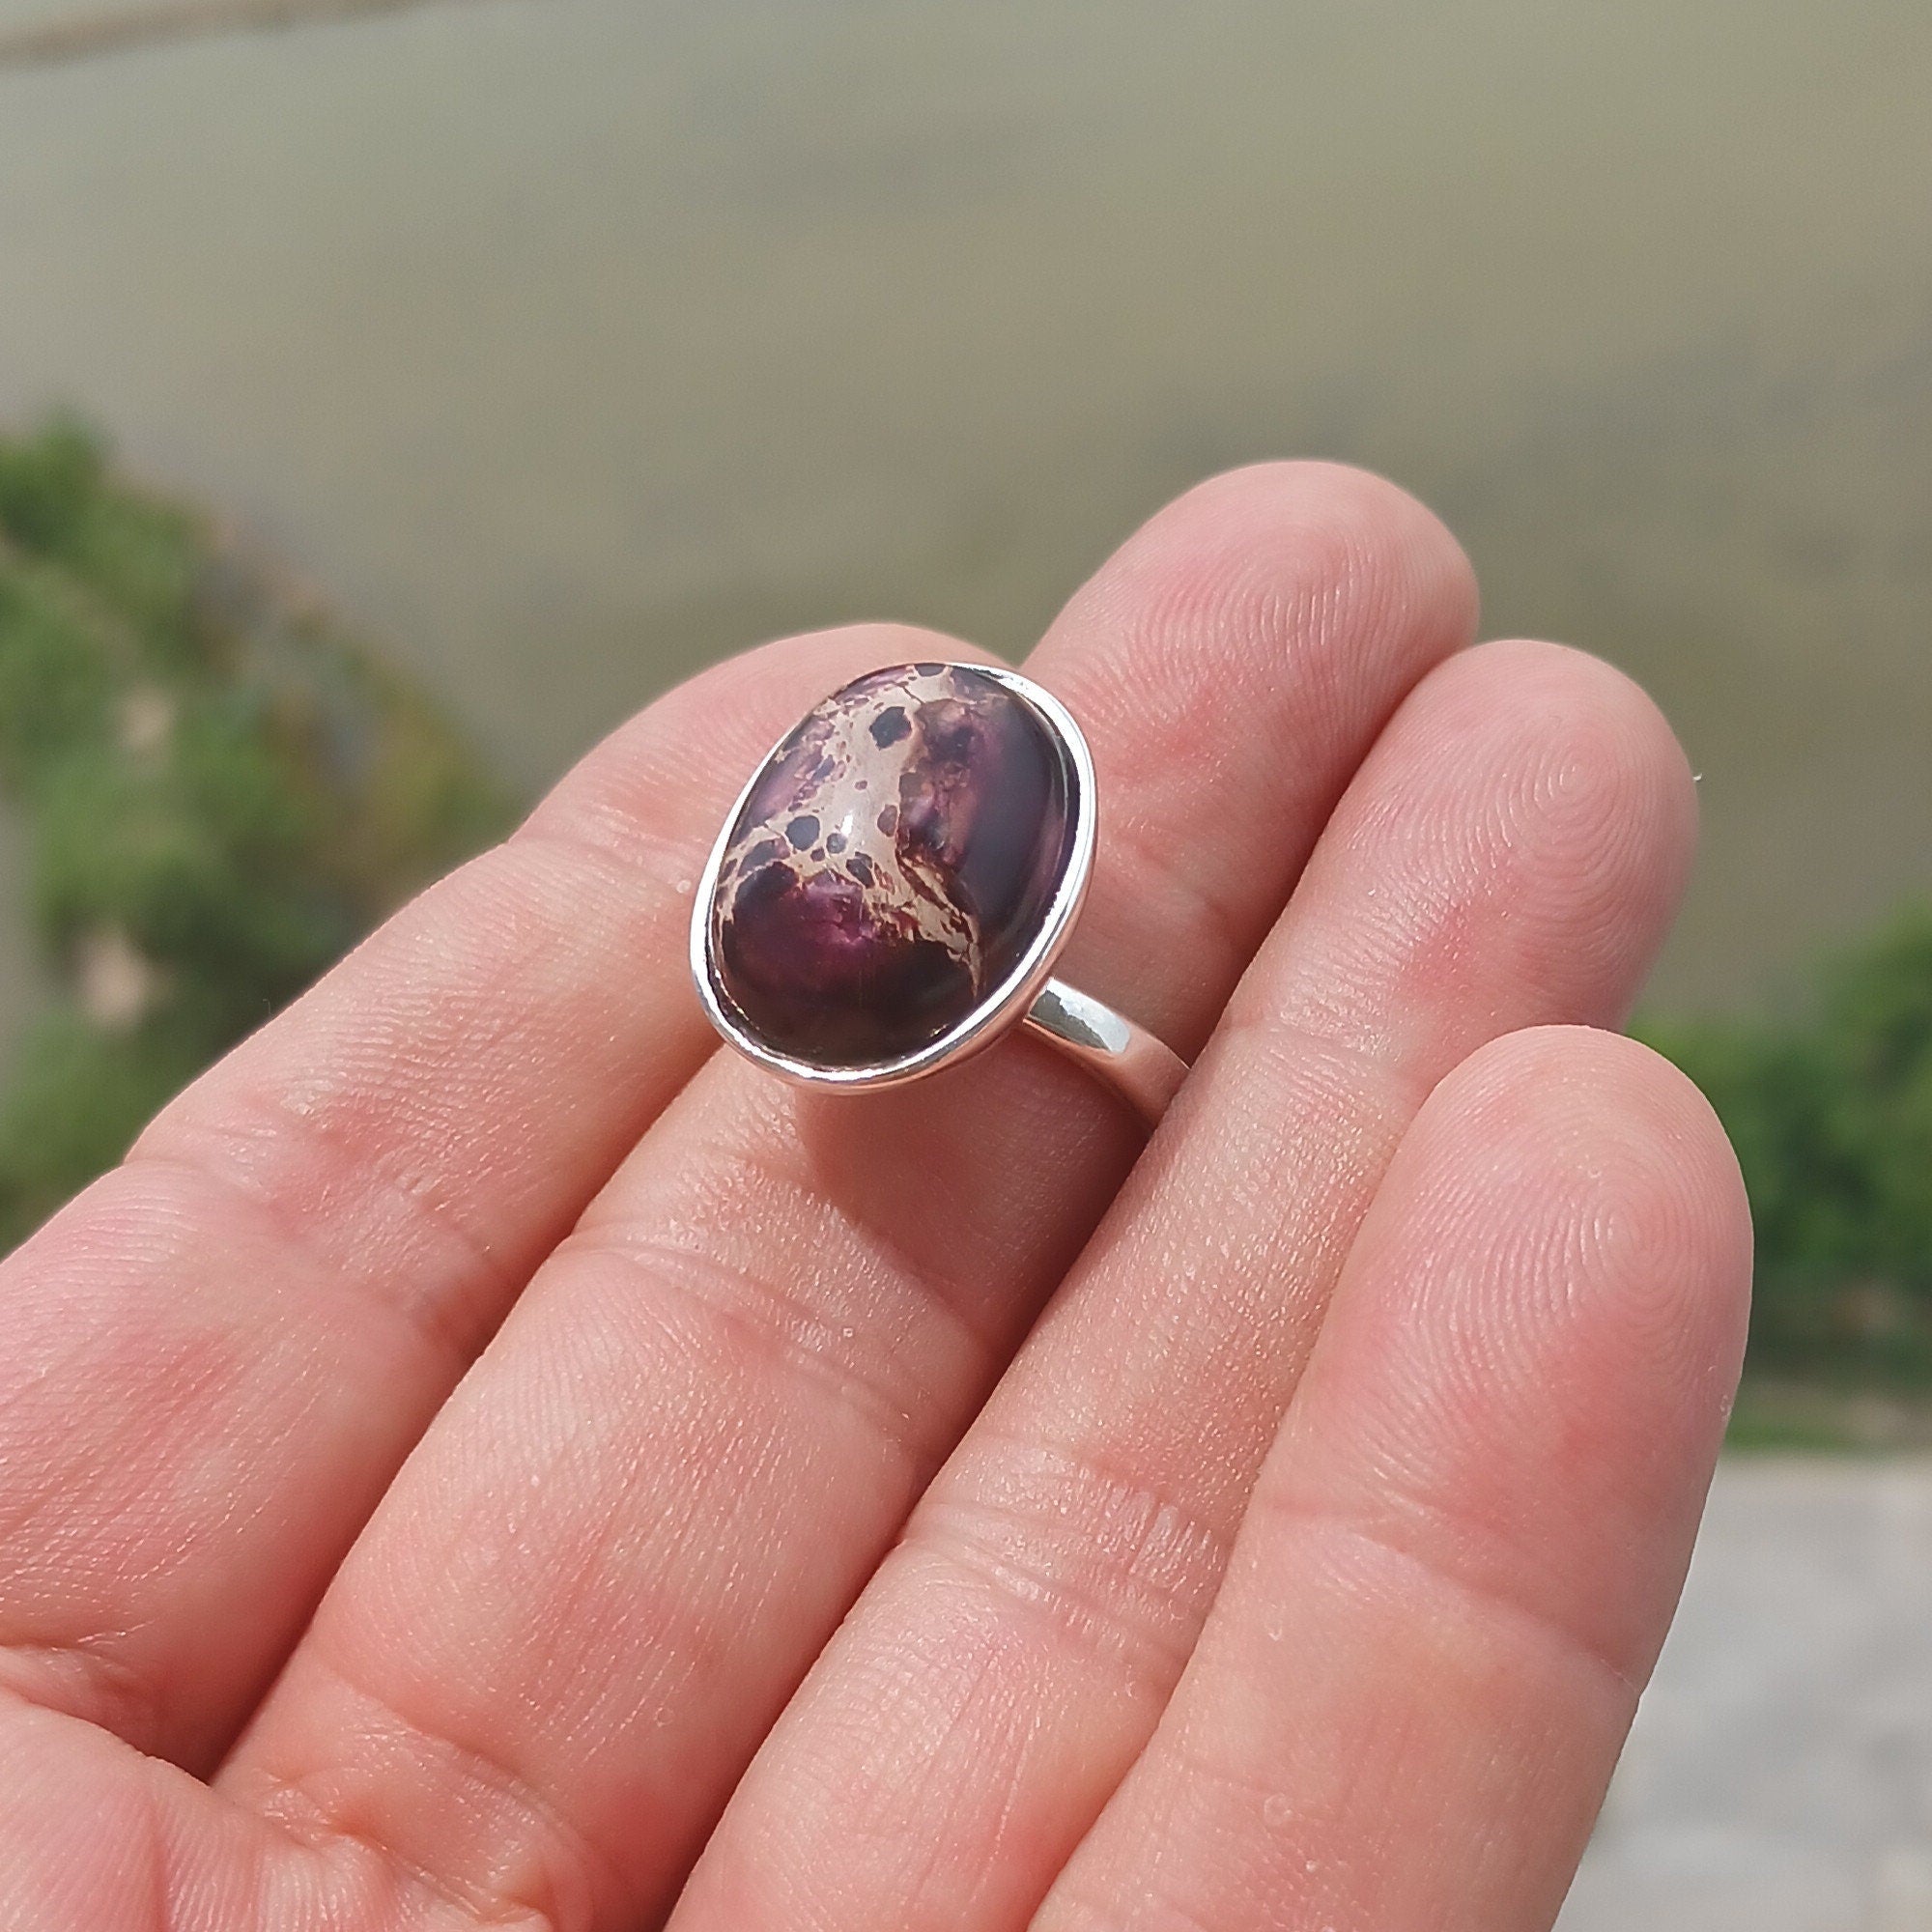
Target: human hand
(1269, 1531)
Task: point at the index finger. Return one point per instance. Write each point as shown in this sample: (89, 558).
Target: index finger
(271, 1296)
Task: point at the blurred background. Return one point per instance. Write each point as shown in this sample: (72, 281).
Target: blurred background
(471, 370)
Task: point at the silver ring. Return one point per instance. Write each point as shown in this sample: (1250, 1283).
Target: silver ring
(892, 887)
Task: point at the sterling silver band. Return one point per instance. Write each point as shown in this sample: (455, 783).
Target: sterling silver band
(1144, 1072)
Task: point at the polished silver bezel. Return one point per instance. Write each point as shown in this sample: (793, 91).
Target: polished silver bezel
(1006, 1005)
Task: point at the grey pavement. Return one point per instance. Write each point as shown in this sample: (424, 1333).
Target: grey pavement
(1779, 1777)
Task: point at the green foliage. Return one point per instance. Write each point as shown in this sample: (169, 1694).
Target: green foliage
(77, 1092)
(54, 689)
(1831, 1116)
(220, 793)
(50, 487)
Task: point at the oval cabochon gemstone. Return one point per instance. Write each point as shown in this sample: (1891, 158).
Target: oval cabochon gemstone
(890, 865)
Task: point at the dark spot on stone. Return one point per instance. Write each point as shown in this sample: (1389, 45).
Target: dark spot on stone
(802, 830)
(889, 820)
(861, 867)
(890, 727)
(930, 670)
(950, 734)
(835, 841)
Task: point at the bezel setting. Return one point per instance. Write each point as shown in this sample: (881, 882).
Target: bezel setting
(1004, 1004)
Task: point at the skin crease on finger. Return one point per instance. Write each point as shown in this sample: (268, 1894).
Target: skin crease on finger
(1509, 855)
(1463, 1552)
(1287, 601)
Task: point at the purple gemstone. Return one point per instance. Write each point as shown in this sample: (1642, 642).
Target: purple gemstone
(892, 864)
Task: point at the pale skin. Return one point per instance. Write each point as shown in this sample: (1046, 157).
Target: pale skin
(493, 1457)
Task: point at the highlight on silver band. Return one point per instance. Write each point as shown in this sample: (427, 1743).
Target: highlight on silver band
(1146, 1071)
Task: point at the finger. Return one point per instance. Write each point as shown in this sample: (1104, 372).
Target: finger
(633, 1526)
(1465, 1551)
(217, 1356)
(1510, 853)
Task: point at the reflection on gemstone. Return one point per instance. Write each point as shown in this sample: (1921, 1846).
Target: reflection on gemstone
(848, 933)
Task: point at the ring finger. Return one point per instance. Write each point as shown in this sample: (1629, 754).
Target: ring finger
(1460, 1557)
